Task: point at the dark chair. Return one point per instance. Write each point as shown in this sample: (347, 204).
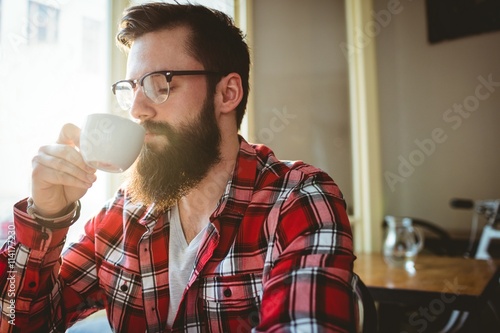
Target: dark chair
(439, 244)
(365, 311)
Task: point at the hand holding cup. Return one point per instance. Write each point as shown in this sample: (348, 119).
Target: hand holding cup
(61, 175)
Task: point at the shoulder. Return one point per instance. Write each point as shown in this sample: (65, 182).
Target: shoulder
(302, 205)
(292, 175)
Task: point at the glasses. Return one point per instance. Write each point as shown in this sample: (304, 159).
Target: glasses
(155, 85)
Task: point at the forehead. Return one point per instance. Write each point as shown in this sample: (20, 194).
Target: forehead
(160, 50)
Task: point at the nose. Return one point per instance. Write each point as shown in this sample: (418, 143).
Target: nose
(141, 108)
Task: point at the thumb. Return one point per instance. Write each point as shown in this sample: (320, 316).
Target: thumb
(69, 135)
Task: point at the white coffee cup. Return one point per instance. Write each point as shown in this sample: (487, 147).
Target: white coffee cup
(110, 143)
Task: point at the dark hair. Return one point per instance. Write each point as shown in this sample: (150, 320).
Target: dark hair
(215, 41)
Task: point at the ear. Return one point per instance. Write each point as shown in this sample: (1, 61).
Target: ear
(229, 92)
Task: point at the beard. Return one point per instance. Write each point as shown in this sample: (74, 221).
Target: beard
(161, 176)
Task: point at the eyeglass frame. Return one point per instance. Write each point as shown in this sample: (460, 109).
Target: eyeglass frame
(169, 75)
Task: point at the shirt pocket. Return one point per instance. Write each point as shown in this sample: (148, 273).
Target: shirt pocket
(231, 302)
(123, 292)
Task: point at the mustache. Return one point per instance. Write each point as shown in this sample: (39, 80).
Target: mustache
(157, 128)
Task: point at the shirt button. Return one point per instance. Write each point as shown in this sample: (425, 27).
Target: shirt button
(124, 287)
(32, 284)
(44, 236)
(228, 292)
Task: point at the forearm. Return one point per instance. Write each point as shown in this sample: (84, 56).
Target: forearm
(309, 294)
(309, 267)
(29, 266)
(27, 292)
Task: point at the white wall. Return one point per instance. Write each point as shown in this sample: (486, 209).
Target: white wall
(301, 84)
(419, 85)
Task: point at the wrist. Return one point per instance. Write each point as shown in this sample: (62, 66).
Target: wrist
(63, 219)
(34, 210)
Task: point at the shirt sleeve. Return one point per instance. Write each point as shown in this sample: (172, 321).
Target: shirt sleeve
(34, 298)
(307, 288)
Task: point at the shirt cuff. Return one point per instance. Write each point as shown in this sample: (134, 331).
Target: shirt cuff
(33, 235)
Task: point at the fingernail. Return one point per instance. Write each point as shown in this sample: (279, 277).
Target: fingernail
(91, 177)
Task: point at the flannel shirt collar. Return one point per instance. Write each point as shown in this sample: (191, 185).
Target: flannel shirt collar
(239, 188)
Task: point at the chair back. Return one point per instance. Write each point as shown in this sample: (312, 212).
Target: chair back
(365, 311)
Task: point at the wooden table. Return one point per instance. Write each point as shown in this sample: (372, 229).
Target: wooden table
(464, 283)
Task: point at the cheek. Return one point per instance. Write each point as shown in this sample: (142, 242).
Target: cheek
(185, 102)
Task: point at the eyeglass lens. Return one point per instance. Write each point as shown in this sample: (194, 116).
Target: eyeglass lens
(155, 87)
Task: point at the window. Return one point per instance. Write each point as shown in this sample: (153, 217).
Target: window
(44, 85)
(43, 23)
(0, 24)
(92, 44)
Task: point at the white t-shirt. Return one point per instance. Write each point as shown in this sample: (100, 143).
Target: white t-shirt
(181, 257)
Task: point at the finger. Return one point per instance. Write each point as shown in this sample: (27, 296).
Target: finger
(70, 135)
(66, 159)
(57, 171)
(67, 153)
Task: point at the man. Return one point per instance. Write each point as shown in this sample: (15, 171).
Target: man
(209, 233)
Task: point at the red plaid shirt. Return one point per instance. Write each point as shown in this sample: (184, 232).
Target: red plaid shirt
(276, 257)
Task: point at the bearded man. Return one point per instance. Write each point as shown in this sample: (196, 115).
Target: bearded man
(209, 233)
